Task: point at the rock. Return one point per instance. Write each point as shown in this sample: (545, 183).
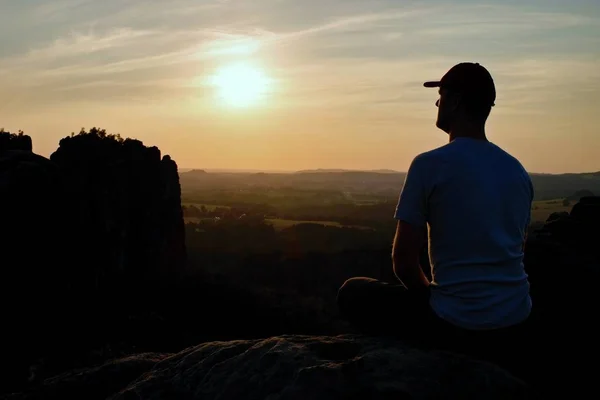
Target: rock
(93, 383)
(557, 215)
(128, 204)
(573, 236)
(563, 263)
(86, 234)
(587, 211)
(579, 194)
(305, 367)
(287, 367)
(33, 270)
(15, 141)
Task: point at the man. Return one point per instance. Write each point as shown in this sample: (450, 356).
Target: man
(472, 200)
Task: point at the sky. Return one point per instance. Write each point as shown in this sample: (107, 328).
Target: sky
(340, 80)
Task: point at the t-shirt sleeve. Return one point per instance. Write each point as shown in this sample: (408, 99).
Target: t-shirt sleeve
(412, 203)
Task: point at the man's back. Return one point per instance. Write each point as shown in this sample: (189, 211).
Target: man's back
(478, 210)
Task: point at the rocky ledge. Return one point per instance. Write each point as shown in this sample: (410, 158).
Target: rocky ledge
(288, 367)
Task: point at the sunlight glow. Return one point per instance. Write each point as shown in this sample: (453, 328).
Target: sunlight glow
(239, 46)
(240, 85)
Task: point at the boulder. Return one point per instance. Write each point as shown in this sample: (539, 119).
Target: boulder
(97, 382)
(290, 367)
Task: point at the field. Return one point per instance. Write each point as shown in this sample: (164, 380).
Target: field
(280, 224)
(209, 207)
(362, 203)
(541, 210)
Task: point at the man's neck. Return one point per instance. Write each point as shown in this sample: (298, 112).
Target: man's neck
(469, 131)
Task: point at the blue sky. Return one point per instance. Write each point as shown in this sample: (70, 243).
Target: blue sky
(348, 73)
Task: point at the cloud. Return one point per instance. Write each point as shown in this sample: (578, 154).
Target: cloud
(81, 44)
(50, 9)
(329, 52)
(350, 21)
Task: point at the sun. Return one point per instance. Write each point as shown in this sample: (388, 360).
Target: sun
(240, 85)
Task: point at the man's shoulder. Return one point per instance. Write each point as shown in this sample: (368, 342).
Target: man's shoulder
(430, 160)
(430, 156)
(515, 163)
(509, 157)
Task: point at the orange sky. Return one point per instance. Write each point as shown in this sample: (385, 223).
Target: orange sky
(344, 77)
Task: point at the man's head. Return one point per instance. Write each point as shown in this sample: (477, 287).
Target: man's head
(467, 94)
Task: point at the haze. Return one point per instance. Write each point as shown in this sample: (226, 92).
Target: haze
(342, 78)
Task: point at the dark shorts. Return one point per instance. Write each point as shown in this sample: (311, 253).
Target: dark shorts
(389, 309)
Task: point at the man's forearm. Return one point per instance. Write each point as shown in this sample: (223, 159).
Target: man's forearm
(411, 275)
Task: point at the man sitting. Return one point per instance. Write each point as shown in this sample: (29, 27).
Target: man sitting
(472, 201)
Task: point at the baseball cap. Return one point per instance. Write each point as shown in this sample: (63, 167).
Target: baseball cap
(469, 78)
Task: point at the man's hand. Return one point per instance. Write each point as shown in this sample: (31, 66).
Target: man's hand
(408, 242)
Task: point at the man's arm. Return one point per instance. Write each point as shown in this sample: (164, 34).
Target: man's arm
(528, 224)
(412, 214)
(408, 242)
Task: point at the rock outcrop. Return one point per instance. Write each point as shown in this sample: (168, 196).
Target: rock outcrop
(15, 141)
(83, 235)
(290, 368)
(570, 238)
(128, 202)
(562, 260)
(32, 238)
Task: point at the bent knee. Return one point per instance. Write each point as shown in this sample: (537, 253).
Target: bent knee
(350, 291)
(356, 283)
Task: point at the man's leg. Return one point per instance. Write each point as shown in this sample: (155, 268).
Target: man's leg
(377, 307)
(510, 347)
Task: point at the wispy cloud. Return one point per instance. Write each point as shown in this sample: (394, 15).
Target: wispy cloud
(50, 9)
(343, 52)
(82, 44)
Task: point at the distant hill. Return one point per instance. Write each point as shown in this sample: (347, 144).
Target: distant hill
(555, 186)
(236, 171)
(322, 171)
(336, 171)
(381, 181)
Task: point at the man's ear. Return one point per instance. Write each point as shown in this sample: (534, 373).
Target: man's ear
(454, 101)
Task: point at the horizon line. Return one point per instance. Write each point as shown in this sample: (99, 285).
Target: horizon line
(342, 170)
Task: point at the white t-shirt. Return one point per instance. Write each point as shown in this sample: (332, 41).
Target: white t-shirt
(475, 200)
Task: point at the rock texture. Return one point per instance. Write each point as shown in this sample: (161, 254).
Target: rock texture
(93, 383)
(84, 235)
(302, 367)
(290, 368)
(127, 199)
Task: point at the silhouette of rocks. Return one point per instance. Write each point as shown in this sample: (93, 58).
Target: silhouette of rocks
(565, 254)
(127, 200)
(85, 236)
(33, 237)
(574, 235)
(291, 367)
(562, 260)
(579, 194)
(12, 141)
